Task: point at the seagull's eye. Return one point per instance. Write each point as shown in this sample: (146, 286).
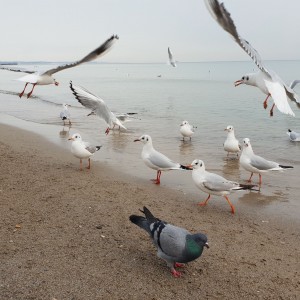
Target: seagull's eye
(247, 78)
(243, 78)
(143, 138)
(147, 139)
(196, 163)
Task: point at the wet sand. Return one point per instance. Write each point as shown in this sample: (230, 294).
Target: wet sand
(65, 234)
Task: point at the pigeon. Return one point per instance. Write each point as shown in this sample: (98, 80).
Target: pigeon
(45, 78)
(214, 184)
(266, 80)
(186, 130)
(81, 149)
(294, 136)
(97, 105)
(156, 160)
(175, 245)
(257, 164)
(171, 59)
(65, 114)
(231, 144)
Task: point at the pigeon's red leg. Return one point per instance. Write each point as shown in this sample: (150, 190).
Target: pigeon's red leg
(176, 273)
(178, 265)
(232, 207)
(204, 202)
(265, 102)
(22, 93)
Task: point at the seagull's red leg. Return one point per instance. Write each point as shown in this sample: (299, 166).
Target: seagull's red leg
(271, 111)
(22, 93)
(157, 180)
(260, 179)
(232, 207)
(107, 130)
(80, 164)
(89, 166)
(249, 180)
(265, 102)
(204, 202)
(29, 94)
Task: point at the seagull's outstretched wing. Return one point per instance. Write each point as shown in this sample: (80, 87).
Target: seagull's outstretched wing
(22, 70)
(294, 83)
(101, 50)
(96, 104)
(171, 59)
(222, 16)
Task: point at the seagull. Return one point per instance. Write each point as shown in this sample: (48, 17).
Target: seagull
(81, 149)
(45, 78)
(186, 129)
(97, 105)
(171, 59)
(266, 80)
(231, 144)
(214, 184)
(294, 136)
(65, 114)
(175, 245)
(257, 164)
(156, 160)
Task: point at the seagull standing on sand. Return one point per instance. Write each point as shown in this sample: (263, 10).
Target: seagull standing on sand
(171, 58)
(97, 105)
(257, 164)
(294, 136)
(266, 80)
(214, 184)
(156, 160)
(65, 114)
(82, 150)
(175, 245)
(186, 130)
(231, 144)
(45, 78)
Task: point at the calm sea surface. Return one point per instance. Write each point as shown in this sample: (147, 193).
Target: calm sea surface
(162, 97)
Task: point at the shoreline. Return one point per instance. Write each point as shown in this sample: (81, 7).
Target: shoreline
(65, 234)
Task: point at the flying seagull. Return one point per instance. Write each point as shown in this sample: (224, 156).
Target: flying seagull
(175, 245)
(97, 106)
(266, 80)
(45, 78)
(171, 58)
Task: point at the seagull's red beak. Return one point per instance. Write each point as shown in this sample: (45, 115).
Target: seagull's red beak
(136, 140)
(238, 82)
(71, 139)
(190, 167)
(56, 83)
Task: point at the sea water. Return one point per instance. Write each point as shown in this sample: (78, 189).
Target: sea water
(161, 98)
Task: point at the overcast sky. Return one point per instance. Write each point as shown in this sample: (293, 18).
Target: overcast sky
(65, 30)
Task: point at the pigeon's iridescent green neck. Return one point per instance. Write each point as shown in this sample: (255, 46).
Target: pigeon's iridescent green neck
(193, 248)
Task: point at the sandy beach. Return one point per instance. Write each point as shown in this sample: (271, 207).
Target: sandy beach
(65, 234)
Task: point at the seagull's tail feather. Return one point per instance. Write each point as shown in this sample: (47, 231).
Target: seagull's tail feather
(98, 148)
(286, 167)
(251, 187)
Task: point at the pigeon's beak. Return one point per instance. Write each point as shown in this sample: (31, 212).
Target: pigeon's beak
(137, 140)
(238, 82)
(206, 245)
(70, 139)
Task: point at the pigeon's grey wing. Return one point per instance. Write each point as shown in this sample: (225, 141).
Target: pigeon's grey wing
(101, 50)
(222, 16)
(22, 70)
(217, 183)
(171, 240)
(162, 161)
(92, 102)
(261, 163)
(294, 83)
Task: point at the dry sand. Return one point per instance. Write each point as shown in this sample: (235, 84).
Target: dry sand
(65, 234)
